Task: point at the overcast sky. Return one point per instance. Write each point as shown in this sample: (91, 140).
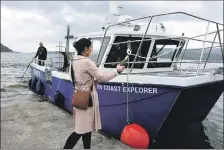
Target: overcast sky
(25, 23)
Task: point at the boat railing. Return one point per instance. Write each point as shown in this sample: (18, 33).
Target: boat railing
(188, 39)
(139, 62)
(54, 63)
(36, 61)
(162, 38)
(158, 56)
(48, 63)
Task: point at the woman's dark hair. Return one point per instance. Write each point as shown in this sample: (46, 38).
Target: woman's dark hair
(81, 44)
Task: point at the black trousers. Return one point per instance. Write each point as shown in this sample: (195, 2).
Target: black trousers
(41, 63)
(74, 137)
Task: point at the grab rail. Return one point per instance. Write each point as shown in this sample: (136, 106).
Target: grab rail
(191, 38)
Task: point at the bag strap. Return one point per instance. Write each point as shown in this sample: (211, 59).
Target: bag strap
(72, 73)
(73, 76)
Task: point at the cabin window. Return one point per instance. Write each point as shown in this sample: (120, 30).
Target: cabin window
(119, 52)
(96, 44)
(163, 50)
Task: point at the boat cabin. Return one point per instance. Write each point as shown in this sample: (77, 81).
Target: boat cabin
(154, 48)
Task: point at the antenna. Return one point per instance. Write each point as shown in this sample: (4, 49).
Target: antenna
(119, 10)
(113, 5)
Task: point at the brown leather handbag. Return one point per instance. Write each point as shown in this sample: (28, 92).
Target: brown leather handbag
(81, 99)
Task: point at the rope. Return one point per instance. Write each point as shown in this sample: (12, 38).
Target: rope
(127, 117)
(128, 52)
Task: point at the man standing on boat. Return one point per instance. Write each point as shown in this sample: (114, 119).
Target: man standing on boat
(42, 54)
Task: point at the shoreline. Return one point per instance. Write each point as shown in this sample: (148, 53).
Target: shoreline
(36, 123)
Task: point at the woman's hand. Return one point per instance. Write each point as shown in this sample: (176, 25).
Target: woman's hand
(120, 68)
(95, 82)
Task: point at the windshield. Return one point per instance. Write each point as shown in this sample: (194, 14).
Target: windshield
(96, 51)
(163, 50)
(96, 44)
(119, 52)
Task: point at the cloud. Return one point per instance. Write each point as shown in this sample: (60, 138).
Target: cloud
(24, 24)
(22, 30)
(198, 8)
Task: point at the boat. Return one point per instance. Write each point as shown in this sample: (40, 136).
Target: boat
(152, 92)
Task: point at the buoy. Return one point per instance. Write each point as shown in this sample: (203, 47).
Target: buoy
(33, 84)
(29, 83)
(39, 87)
(135, 136)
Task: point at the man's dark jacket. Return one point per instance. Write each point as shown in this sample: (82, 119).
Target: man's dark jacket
(41, 53)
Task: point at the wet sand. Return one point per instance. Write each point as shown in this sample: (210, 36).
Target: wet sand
(39, 124)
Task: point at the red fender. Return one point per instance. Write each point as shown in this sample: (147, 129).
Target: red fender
(135, 136)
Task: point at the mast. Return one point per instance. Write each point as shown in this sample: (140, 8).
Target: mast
(67, 41)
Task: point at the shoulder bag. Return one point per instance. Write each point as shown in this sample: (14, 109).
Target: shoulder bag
(81, 99)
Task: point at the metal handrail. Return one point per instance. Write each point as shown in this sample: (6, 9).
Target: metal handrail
(210, 49)
(205, 34)
(160, 37)
(164, 14)
(164, 38)
(138, 62)
(151, 17)
(192, 38)
(187, 15)
(50, 61)
(212, 71)
(200, 48)
(202, 52)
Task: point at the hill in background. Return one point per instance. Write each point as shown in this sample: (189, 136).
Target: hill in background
(195, 54)
(5, 49)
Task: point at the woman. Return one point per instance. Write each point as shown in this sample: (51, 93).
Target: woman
(85, 70)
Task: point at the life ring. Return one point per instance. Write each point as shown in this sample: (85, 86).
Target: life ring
(59, 99)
